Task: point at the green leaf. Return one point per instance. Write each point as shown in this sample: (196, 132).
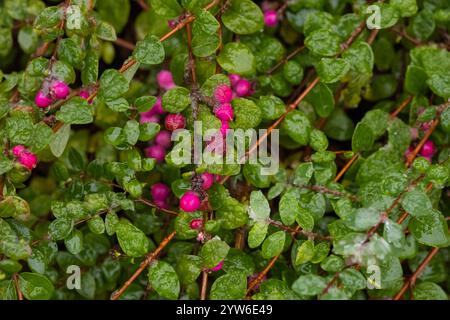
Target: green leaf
(10, 244)
(273, 245)
(440, 85)
(257, 234)
(106, 31)
(148, 130)
(166, 8)
(231, 286)
(237, 58)
(259, 206)
(429, 291)
(353, 279)
(406, 8)
(35, 286)
(332, 69)
(74, 242)
(176, 100)
(163, 278)
(75, 111)
(213, 252)
(305, 252)
(298, 127)
(59, 140)
(243, 17)
(131, 132)
(247, 114)
(289, 208)
(323, 43)
(60, 228)
(144, 103)
(360, 57)
(189, 268)
(309, 285)
(70, 52)
(430, 230)
(303, 173)
(6, 164)
(112, 84)
(149, 51)
(305, 219)
(415, 80)
(363, 138)
(131, 239)
(417, 203)
(271, 107)
(322, 100)
(96, 225)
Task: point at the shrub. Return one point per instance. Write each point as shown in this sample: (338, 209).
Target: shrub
(93, 190)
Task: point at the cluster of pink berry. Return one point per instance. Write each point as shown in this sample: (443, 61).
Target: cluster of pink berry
(25, 157)
(56, 90)
(190, 201)
(427, 151)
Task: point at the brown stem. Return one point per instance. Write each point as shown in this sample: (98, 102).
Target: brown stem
(151, 204)
(204, 285)
(354, 35)
(346, 167)
(191, 62)
(412, 156)
(402, 106)
(125, 44)
(286, 59)
(2, 179)
(16, 283)
(410, 282)
(143, 5)
(148, 259)
(261, 275)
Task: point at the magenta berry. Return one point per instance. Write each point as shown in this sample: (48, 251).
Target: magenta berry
(165, 80)
(159, 191)
(224, 112)
(234, 78)
(149, 116)
(162, 204)
(218, 267)
(163, 139)
(18, 150)
(157, 107)
(175, 121)
(60, 90)
(270, 18)
(156, 152)
(428, 149)
(223, 94)
(172, 24)
(414, 133)
(243, 88)
(207, 180)
(28, 159)
(190, 201)
(84, 94)
(196, 224)
(41, 100)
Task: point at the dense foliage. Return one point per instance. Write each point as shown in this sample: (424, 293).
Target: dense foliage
(91, 185)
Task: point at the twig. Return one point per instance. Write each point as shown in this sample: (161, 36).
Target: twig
(261, 275)
(411, 281)
(204, 285)
(153, 205)
(412, 156)
(143, 5)
(402, 106)
(125, 44)
(346, 167)
(286, 59)
(16, 283)
(148, 259)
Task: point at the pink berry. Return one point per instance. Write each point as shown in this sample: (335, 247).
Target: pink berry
(207, 180)
(162, 204)
(234, 78)
(217, 177)
(201, 237)
(159, 191)
(165, 80)
(218, 267)
(270, 18)
(175, 121)
(223, 94)
(190, 201)
(196, 224)
(172, 24)
(243, 88)
(60, 90)
(28, 160)
(157, 107)
(426, 126)
(18, 150)
(163, 139)
(408, 152)
(428, 149)
(149, 116)
(84, 94)
(41, 100)
(224, 112)
(224, 127)
(156, 152)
